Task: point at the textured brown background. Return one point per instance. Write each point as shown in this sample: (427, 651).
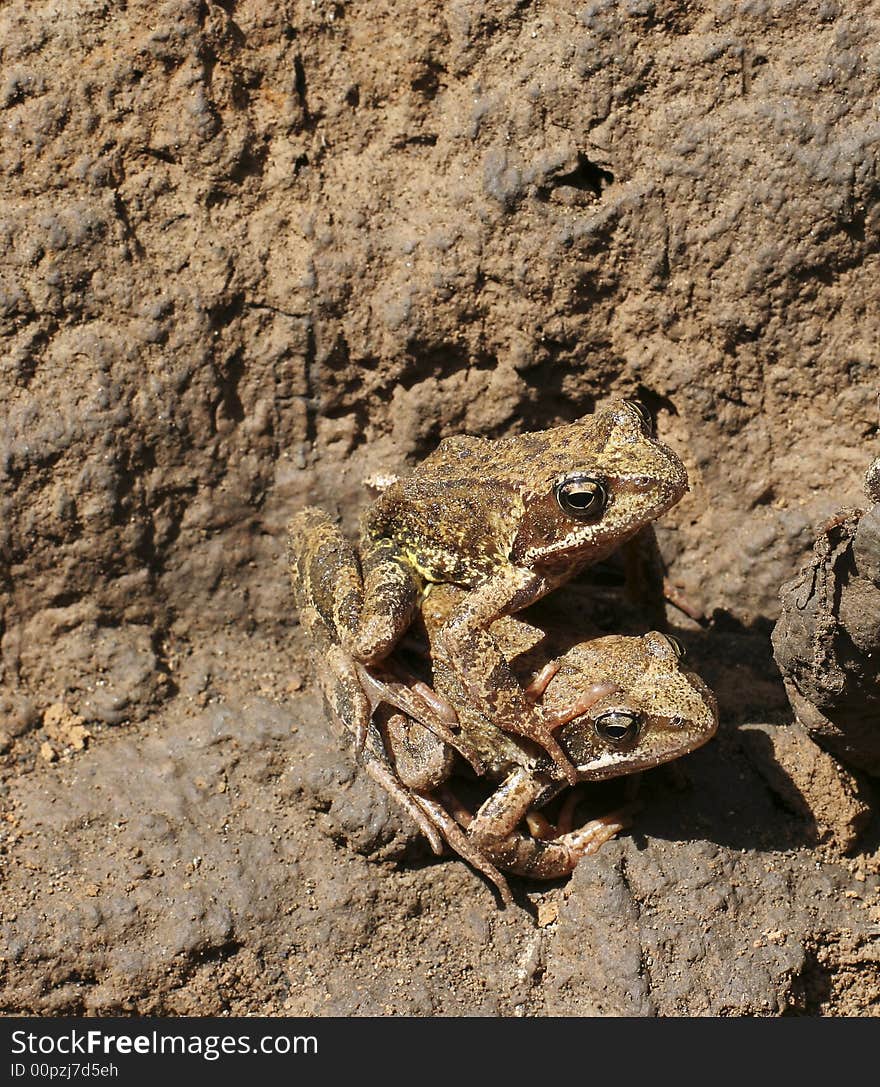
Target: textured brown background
(253, 252)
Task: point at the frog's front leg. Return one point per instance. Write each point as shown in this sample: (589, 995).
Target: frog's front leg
(493, 830)
(467, 647)
(368, 600)
(352, 612)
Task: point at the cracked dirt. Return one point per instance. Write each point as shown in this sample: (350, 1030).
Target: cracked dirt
(253, 256)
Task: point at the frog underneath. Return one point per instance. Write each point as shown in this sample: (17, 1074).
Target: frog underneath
(619, 705)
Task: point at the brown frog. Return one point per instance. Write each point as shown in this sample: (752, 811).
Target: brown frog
(509, 520)
(617, 704)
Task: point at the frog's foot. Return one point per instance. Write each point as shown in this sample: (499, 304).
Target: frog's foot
(549, 855)
(398, 682)
(593, 835)
(461, 843)
(381, 773)
(542, 854)
(417, 700)
(346, 695)
(540, 732)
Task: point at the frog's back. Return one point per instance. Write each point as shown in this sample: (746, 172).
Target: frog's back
(452, 530)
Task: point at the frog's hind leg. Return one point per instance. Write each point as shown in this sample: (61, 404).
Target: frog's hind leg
(420, 758)
(494, 829)
(464, 847)
(325, 573)
(320, 560)
(419, 701)
(391, 593)
(378, 769)
(369, 599)
(327, 586)
(344, 693)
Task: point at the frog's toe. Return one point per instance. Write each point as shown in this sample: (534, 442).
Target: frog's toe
(541, 827)
(588, 698)
(360, 740)
(593, 835)
(461, 843)
(539, 684)
(562, 762)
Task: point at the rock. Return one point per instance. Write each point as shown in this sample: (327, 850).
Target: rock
(827, 640)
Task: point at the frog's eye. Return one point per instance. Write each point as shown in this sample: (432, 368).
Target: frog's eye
(583, 498)
(618, 726)
(677, 647)
(643, 413)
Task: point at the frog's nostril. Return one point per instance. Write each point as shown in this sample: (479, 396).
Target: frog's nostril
(618, 726)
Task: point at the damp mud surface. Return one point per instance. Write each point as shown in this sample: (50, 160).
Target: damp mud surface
(254, 257)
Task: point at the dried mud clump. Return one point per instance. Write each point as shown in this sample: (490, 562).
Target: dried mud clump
(827, 641)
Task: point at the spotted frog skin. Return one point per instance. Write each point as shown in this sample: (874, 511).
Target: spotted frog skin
(509, 520)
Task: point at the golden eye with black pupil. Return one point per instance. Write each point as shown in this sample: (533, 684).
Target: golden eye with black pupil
(618, 726)
(583, 498)
(676, 645)
(643, 413)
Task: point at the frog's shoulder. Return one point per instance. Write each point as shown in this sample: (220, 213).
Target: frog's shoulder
(462, 464)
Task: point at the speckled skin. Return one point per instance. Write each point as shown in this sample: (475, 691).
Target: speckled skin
(637, 675)
(484, 515)
(872, 481)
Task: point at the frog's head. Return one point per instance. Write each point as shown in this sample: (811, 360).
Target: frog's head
(591, 486)
(657, 713)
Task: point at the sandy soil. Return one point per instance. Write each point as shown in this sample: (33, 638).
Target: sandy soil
(252, 256)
